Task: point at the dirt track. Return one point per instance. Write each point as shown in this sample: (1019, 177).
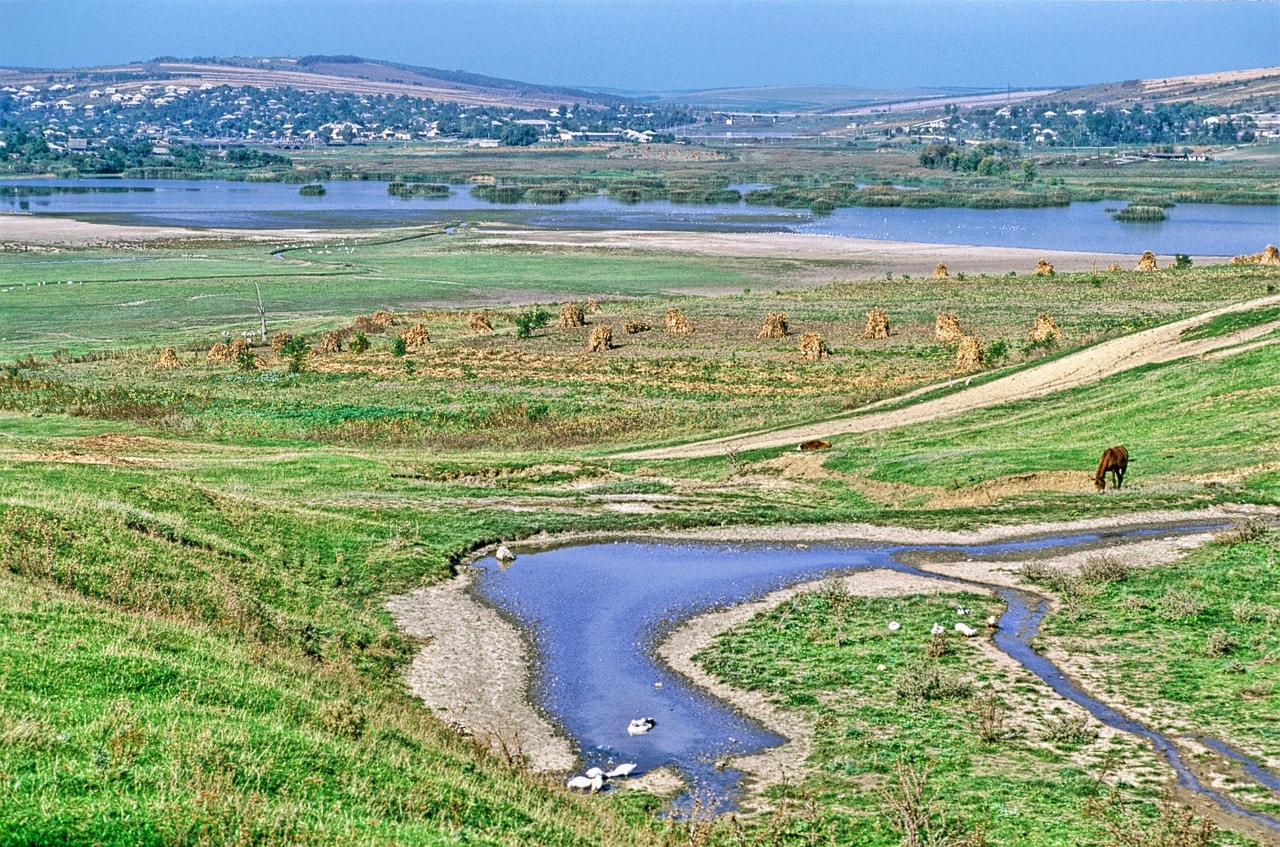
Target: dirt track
(1159, 344)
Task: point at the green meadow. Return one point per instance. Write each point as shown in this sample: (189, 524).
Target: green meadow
(194, 560)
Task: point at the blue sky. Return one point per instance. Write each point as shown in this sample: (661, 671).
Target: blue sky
(676, 44)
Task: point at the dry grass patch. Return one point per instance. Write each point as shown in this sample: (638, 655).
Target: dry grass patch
(969, 354)
(571, 315)
(677, 323)
(1044, 329)
(775, 326)
(416, 337)
(813, 347)
(600, 340)
(946, 329)
(878, 324)
(168, 360)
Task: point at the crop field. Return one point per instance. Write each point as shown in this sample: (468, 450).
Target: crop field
(194, 559)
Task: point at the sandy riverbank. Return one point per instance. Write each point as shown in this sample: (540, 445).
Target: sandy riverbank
(475, 669)
(870, 257)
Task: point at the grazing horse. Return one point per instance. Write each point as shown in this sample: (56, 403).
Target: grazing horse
(1116, 460)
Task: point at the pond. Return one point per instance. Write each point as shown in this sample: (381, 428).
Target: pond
(596, 613)
(1195, 229)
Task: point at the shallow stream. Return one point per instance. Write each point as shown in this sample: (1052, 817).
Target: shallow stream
(596, 613)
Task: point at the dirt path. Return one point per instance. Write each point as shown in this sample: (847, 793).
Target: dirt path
(1159, 344)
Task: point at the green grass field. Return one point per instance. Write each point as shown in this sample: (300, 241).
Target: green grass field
(194, 560)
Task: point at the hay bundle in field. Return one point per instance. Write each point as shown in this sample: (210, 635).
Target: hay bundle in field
(877, 324)
(812, 347)
(331, 342)
(969, 354)
(940, 272)
(775, 326)
(280, 339)
(219, 354)
(946, 328)
(1269, 256)
(238, 346)
(416, 337)
(479, 322)
(1044, 329)
(168, 360)
(677, 323)
(634, 327)
(593, 306)
(571, 315)
(1044, 267)
(382, 320)
(1113, 267)
(1147, 262)
(600, 340)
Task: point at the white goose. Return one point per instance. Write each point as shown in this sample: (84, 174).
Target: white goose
(621, 771)
(640, 726)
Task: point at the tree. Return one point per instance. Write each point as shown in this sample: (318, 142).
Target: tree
(518, 135)
(1028, 170)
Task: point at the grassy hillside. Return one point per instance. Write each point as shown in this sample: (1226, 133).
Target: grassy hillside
(193, 561)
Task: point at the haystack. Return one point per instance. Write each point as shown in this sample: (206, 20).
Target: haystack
(331, 342)
(946, 329)
(940, 272)
(1113, 267)
(812, 347)
(969, 354)
(571, 315)
(877, 324)
(600, 340)
(775, 326)
(1269, 256)
(1044, 329)
(280, 339)
(238, 346)
(677, 323)
(593, 306)
(1147, 262)
(219, 354)
(634, 327)
(382, 320)
(1044, 267)
(479, 322)
(416, 337)
(168, 360)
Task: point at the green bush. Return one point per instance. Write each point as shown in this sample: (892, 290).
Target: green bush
(359, 343)
(530, 320)
(398, 346)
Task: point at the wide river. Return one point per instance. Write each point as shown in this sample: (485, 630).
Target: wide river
(1196, 229)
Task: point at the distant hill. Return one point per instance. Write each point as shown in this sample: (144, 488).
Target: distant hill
(800, 99)
(1251, 89)
(351, 74)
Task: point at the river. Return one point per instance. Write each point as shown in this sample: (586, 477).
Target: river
(1194, 229)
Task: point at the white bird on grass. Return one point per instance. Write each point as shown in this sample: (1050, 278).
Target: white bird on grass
(640, 726)
(938, 629)
(623, 770)
(582, 783)
(966, 630)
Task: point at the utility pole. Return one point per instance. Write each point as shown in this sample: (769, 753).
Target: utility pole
(262, 313)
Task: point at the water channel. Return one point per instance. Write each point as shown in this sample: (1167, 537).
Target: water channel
(596, 613)
(1195, 229)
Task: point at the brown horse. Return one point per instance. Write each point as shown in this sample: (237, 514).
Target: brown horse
(1116, 460)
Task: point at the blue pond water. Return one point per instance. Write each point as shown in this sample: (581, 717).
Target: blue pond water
(1196, 229)
(595, 613)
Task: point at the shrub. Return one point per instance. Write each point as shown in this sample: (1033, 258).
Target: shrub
(1104, 568)
(1181, 260)
(399, 346)
(923, 680)
(295, 350)
(1070, 730)
(1178, 604)
(359, 343)
(246, 360)
(342, 717)
(1220, 643)
(530, 320)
